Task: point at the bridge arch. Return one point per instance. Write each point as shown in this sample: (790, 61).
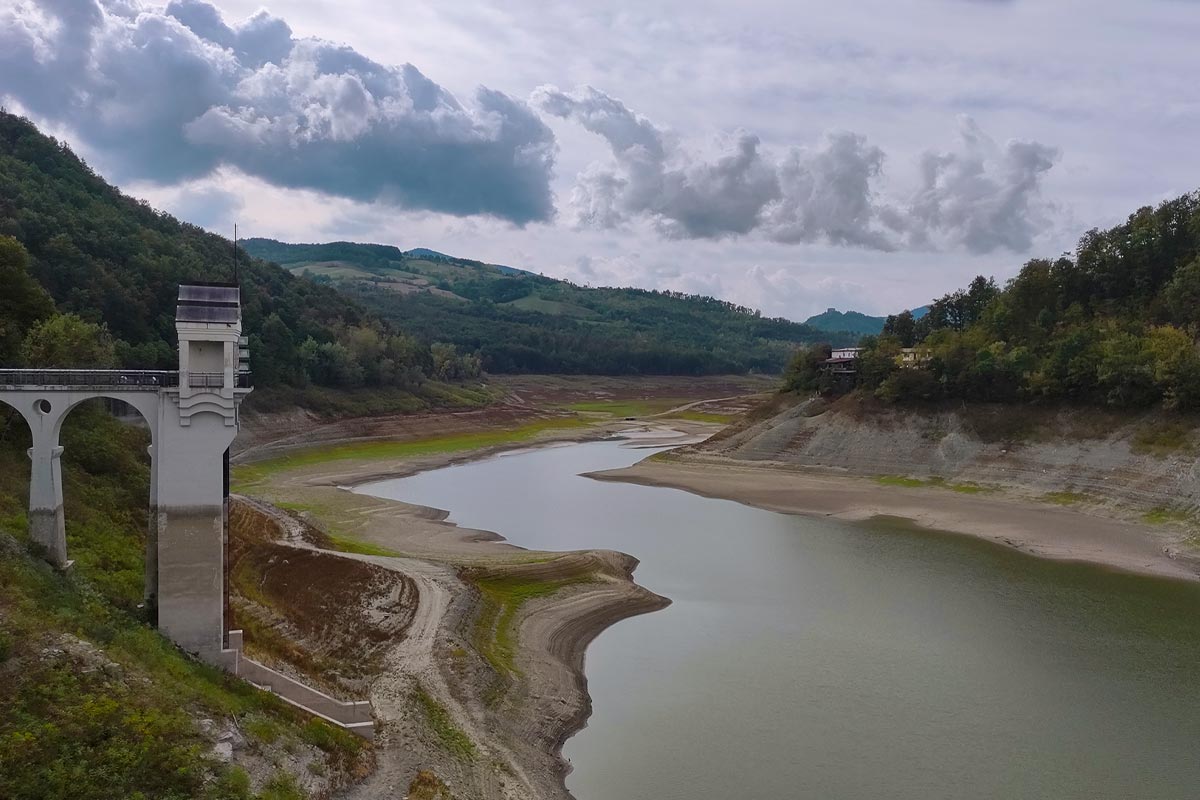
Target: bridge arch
(44, 411)
(145, 404)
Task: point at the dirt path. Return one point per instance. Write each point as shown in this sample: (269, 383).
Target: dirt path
(694, 404)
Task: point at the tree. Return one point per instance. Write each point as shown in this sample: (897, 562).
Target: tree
(65, 341)
(1126, 371)
(23, 302)
(1176, 366)
(878, 360)
(273, 353)
(803, 372)
(903, 327)
(1182, 294)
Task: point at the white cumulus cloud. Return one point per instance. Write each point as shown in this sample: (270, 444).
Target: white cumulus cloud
(979, 196)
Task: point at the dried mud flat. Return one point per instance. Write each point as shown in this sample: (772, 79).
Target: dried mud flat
(485, 683)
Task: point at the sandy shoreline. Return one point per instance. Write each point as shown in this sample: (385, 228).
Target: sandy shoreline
(1036, 528)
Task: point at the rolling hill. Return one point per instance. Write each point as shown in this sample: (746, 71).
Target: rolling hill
(522, 322)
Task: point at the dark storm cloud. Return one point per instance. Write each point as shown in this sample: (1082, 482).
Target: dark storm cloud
(978, 196)
(174, 94)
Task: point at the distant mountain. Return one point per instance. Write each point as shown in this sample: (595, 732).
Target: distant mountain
(835, 321)
(419, 252)
(519, 321)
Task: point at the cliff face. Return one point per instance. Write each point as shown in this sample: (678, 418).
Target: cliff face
(1129, 463)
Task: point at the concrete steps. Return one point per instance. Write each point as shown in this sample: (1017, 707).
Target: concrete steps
(355, 716)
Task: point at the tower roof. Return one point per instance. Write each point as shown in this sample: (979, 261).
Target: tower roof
(209, 302)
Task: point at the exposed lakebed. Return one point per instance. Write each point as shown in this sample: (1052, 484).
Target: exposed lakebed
(812, 658)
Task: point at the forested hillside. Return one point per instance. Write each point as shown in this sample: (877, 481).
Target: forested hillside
(1114, 324)
(521, 322)
(105, 268)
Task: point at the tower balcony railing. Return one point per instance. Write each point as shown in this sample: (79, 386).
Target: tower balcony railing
(216, 380)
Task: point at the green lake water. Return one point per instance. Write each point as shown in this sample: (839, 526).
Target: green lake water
(809, 658)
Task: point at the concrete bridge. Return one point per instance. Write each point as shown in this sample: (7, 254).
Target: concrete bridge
(192, 415)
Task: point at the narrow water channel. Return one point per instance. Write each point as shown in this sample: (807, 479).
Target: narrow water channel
(809, 658)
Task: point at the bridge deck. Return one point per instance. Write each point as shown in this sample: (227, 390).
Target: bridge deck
(133, 380)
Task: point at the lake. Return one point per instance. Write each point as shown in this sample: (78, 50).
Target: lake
(813, 658)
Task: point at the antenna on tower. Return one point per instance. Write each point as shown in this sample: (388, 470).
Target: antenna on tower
(235, 263)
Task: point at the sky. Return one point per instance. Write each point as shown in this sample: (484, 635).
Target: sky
(789, 156)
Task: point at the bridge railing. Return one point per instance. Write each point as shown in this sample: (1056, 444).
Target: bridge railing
(105, 378)
(131, 379)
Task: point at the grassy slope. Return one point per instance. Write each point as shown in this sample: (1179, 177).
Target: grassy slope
(94, 703)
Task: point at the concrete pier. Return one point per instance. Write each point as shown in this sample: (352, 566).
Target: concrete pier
(47, 525)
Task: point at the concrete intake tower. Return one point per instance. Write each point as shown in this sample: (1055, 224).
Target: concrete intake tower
(192, 415)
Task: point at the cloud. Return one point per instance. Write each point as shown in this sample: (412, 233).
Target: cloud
(210, 207)
(982, 196)
(174, 94)
(978, 196)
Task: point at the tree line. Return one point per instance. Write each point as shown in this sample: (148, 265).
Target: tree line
(1115, 323)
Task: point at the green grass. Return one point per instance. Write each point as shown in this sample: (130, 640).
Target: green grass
(1162, 515)
(262, 728)
(332, 269)
(452, 737)
(282, 786)
(971, 488)
(935, 482)
(556, 308)
(89, 734)
(900, 480)
(1163, 438)
(428, 786)
(249, 475)
(347, 544)
(1064, 498)
(333, 539)
(495, 633)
